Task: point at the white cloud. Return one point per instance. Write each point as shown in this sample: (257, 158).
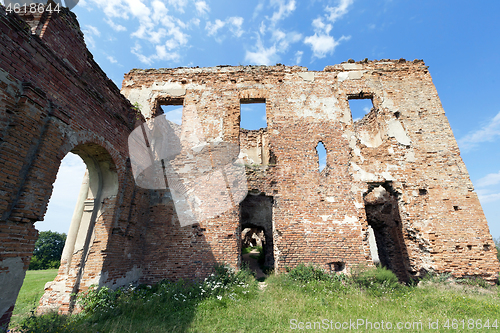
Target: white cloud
(284, 10)
(488, 133)
(236, 23)
(212, 28)
(202, 7)
(233, 23)
(298, 57)
(323, 44)
(163, 52)
(114, 26)
(177, 4)
(157, 25)
(339, 11)
(89, 32)
(258, 9)
(485, 196)
(112, 59)
(92, 30)
(489, 180)
(263, 56)
(285, 39)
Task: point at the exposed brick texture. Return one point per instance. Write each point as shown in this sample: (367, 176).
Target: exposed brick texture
(394, 186)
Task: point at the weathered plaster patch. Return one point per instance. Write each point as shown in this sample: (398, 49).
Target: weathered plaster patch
(349, 66)
(396, 130)
(11, 279)
(369, 140)
(354, 75)
(325, 217)
(362, 175)
(131, 276)
(307, 76)
(410, 156)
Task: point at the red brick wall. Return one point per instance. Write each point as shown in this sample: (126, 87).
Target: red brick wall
(55, 99)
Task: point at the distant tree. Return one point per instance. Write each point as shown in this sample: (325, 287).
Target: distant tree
(48, 250)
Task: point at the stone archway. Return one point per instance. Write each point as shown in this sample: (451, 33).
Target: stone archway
(99, 184)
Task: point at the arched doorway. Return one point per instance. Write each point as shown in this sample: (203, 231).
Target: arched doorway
(99, 184)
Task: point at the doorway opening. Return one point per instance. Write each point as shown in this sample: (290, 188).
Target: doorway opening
(385, 229)
(256, 222)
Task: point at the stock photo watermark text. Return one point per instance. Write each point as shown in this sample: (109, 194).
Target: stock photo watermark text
(386, 325)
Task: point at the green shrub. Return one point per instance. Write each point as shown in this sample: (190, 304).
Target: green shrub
(246, 250)
(97, 298)
(307, 273)
(474, 281)
(50, 322)
(434, 277)
(377, 279)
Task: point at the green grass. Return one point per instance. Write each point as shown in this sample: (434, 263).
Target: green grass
(236, 304)
(30, 293)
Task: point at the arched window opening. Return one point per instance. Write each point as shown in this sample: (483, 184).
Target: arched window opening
(321, 152)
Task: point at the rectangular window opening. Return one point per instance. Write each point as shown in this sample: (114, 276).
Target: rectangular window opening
(253, 114)
(360, 106)
(172, 109)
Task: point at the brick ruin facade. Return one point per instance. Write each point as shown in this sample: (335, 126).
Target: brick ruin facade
(394, 190)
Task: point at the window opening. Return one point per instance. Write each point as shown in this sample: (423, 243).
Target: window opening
(321, 152)
(360, 107)
(253, 114)
(173, 113)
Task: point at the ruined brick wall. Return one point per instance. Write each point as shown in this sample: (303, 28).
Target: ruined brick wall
(54, 99)
(394, 188)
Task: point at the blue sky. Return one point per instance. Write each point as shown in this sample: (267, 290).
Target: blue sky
(458, 40)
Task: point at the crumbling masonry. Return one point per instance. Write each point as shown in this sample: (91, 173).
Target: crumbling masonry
(395, 189)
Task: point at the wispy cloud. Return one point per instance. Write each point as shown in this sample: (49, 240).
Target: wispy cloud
(89, 33)
(298, 57)
(212, 28)
(486, 196)
(488, 133)
(488, 187)
(489, 180)
(262, 55)
(258, 9)
(112, 59)
(155, 24)
(202, 7)
(114, 26)
(334, 13)
(284, 9)
(233, 23)
(322, 43)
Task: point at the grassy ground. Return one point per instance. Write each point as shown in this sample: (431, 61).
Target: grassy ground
(30, 293)
(289, 302)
